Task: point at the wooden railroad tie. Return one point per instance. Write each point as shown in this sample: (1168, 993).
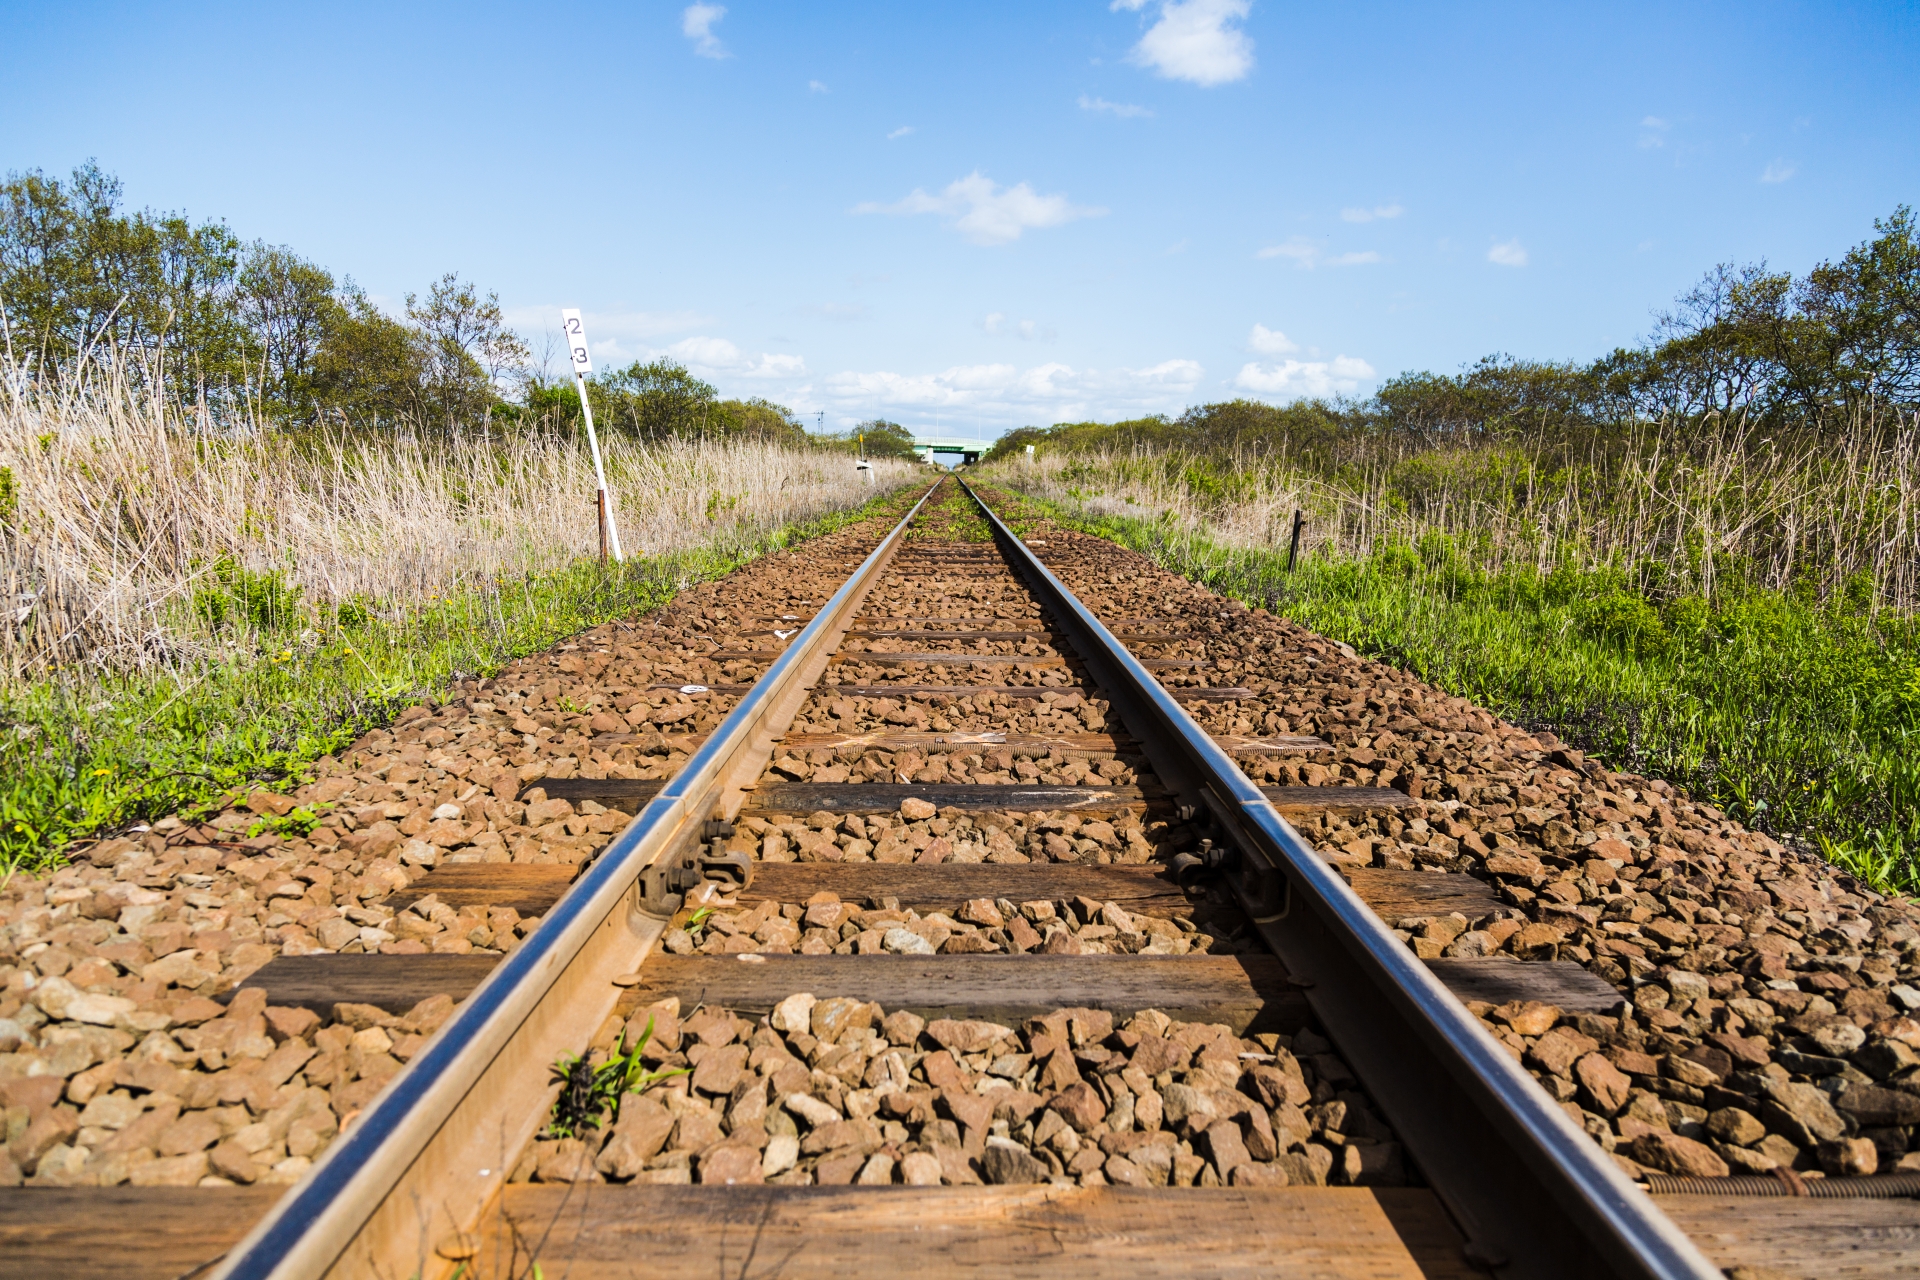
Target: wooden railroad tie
(959, 740)
(630, 794)
(1224, 985)
(1019, 691)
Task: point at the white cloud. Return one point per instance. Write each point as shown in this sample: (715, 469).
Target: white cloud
(1778, 171)
(614, 337)
(814, 86)
(1291, 378)
(706, 355)
(1122, 109)
(1270, 342)
(1307, 255)
(1302, 250)
(901, 132)
(1368, 215)
(1195, 40)
(986, 213)
(1007, 395)
(1656, 128)
(696, 24)
(1508, 253)
(612, 324)
(776, 364)
(995, 325)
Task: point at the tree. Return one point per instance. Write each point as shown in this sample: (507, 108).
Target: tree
(1722, 347)
(1751, 340)
(660, 398)
(756, 419)
(369, 369)
(56, 303)
(465, 351)
(289, 310)
(882, 439)
(233, 329)
(149, 293)
(1862, 338)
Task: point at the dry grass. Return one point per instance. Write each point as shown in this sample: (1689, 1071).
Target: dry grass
(1837, 509)
(119, 515)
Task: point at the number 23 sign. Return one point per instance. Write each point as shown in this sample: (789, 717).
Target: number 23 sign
(576, 341)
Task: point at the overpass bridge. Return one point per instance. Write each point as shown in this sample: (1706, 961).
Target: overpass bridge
(950, 451)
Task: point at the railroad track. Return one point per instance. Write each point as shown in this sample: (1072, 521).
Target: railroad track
(953, 1013)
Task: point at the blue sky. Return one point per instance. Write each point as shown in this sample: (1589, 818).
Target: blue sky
(968, 218)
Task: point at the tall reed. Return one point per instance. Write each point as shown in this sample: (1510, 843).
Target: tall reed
(1835, 508)
(116, 516)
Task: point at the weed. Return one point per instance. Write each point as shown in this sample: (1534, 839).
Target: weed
(698, 921)
(590, 1095)
(232, 595)
(296, 824)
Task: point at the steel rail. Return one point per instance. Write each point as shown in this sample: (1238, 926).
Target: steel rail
(1533, 1195)
(425, 1160)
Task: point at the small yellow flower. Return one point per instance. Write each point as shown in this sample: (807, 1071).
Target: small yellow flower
(102, 773)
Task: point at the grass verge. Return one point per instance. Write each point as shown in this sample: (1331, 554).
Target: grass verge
(95, 752)
(1795, 715)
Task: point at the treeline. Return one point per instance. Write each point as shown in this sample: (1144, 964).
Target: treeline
(236, 331)
(659, 398)
(1813, 352)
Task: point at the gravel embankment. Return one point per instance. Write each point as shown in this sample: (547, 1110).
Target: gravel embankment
(1770, 996)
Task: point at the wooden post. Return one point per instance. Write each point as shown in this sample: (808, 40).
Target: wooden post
(1293, 547)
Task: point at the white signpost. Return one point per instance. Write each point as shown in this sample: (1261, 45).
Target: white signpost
(582, 366)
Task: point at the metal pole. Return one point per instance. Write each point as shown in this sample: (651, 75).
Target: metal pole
(576, 335)
(610, 532)
(1293, 547)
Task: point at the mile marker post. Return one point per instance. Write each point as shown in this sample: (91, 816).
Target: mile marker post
(582, 366)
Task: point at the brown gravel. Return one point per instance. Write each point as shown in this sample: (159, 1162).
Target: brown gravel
(1769, 994)
(116, 1065)
(912, 835)
(833, 1091)
(824, 925)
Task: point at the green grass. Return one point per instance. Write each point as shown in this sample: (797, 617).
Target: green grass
(950, 517)
(93, 753)
(1793, 714)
